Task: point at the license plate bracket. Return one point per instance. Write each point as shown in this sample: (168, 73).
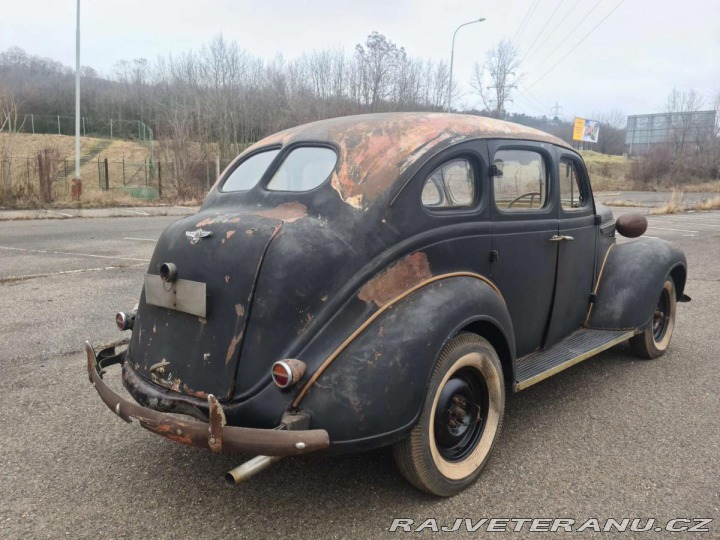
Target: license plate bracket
(181, 295)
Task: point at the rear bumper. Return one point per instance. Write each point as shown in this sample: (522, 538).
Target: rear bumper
(213, 435)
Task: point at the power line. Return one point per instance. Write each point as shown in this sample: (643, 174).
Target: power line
(540, 33)
(525, 21)
(547, 57)
(552, 32)
(528, 103)
(536, 100)
(576, 45)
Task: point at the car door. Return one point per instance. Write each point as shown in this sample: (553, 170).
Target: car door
(576, 241)
(524, 220)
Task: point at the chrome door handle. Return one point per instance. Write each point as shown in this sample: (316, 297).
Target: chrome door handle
(560, 238)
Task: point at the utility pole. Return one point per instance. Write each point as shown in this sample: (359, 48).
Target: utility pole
(77, 181)
(557, 109)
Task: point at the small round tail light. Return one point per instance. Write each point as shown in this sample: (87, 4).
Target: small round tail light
(125, 321)
(287, 373)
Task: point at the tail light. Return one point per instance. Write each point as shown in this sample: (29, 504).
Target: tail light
(287, 373)
(125, 320)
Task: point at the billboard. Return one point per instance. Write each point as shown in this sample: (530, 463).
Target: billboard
(687, 129)
(586, 130)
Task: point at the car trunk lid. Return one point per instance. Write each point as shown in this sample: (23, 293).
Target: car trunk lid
(185, 352)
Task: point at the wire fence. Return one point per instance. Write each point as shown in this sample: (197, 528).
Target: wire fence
(47, 179)
(103, 128)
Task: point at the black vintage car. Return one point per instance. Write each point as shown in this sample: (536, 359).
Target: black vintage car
(380, 280)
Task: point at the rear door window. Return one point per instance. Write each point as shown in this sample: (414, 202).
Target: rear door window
(451, 185)
(246, 175)
(303, 169)
(520, 180)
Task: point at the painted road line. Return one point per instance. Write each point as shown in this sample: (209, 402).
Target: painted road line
(669, 229)
(136, 212)
(678, 221)
(706, 222)
(47, 252)
(10, 279)
(140, 239)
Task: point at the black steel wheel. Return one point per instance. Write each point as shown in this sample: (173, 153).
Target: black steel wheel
(460, 421)
(655, 339)
(460, 414)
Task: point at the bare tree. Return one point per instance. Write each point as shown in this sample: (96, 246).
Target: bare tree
(498, 77)
(377, 61)
(612, 132)
(682, 104)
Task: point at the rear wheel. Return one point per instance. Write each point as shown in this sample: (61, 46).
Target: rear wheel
(460, 421)
(654, 341)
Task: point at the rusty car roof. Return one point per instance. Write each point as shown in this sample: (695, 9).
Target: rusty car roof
(376, 148)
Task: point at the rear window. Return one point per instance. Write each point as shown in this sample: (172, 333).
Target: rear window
(304, 168)
(248, 173)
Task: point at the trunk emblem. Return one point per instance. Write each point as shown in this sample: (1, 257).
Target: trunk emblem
(196, 236)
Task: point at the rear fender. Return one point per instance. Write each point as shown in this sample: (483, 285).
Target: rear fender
(373, 392)
(631, 280)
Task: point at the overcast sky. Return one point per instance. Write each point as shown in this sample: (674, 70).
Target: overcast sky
(630, 62)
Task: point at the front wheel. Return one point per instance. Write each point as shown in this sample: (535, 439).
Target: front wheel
(460, 421)
(654, 341)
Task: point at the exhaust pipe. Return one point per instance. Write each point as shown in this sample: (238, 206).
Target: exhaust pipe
(250, 468)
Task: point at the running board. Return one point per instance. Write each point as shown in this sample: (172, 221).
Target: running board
(578, 346)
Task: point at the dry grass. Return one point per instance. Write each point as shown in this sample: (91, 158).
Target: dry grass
(607, 173)
(621, 203)
(26, 145)
(673, 205)
(707, 204)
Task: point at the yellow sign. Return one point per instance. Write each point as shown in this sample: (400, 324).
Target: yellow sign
(586, 130)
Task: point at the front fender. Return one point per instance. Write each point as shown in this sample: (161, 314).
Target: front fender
(373, 392)
(631, 280)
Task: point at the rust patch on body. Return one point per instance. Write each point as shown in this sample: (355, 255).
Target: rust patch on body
(395, 280)
(233, 345)
(374, 149)
(287, 213)
(196, 393)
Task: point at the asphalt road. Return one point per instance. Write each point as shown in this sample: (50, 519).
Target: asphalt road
(611, 437)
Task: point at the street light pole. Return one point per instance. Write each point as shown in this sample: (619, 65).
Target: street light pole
(77, 182)
(452, 58)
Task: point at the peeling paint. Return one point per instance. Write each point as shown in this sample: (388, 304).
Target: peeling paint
(398, 278)
(375, 149)
(231, 349)
(287, 213)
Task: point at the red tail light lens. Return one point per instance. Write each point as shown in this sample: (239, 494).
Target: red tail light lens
(287, 373)
(281, 374)
(125, 321)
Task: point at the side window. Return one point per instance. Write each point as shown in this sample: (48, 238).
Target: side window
(249, 172)
(451, 185)
(570, 195)
(520, 180)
